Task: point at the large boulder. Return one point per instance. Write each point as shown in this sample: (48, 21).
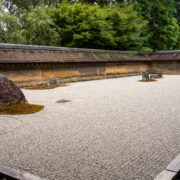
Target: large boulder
(10, 94)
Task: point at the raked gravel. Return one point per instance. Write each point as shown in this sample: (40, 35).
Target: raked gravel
(112, 129)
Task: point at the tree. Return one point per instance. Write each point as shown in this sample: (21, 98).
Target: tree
(177, 10)
(84, 26)
(90, 26)
(10, 29)
(129, 28)
(177, 46)
(144, 7)
(16, 6)
(34, 27)
(163, 27)
(38, 28)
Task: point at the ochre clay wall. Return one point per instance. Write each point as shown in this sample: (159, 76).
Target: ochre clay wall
(166, 67)
(28, 65)
(31, 74)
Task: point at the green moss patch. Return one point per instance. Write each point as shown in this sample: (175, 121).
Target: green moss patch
(20, 109)
(150, 80)
(41, 87)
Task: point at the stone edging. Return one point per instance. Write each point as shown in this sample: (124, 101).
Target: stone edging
(171, 171)
(17, 174)
(168, 174)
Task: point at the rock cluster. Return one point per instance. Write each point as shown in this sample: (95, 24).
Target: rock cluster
(146, 76)
(10, 94)
(53, 82)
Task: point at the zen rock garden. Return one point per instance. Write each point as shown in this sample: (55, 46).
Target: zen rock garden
(90, 126)
(13, 101)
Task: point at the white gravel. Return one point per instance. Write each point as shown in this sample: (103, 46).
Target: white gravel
(111, 129)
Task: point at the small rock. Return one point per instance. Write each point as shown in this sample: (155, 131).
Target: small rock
(10, 94)
(159, 75)
(152, 77)
(53, 82)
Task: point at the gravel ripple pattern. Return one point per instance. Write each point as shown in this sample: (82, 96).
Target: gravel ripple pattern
(112, 129)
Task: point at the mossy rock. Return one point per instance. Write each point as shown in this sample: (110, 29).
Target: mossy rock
(20, 109)
(42, 87)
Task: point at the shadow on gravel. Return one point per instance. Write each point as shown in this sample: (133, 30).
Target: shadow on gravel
(63, 101)
(5, 177)
(177, 177)
(150, 80)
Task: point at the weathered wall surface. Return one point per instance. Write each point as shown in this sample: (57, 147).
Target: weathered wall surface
(167, 62)
(166, 67)
(44, 54)
(29, 74)
(27, 65)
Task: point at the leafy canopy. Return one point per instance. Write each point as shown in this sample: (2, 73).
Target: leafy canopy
(104, 24)
(163, 28)
(38, 28)
(90, 26)
(10, 29)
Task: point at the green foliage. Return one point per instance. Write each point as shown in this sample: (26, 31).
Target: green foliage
(146, 7)
(177, 46)
(99, 2)
(90, 26)
(128, 27)
(104, 24)
(163, 27)
(177, 10)
(16, 6)
(34, 27)
(10, 29)
(39, 28)
(83, 25)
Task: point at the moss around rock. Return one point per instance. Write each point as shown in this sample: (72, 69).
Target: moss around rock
(41, 87)
(20, 109)
(150, 80)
